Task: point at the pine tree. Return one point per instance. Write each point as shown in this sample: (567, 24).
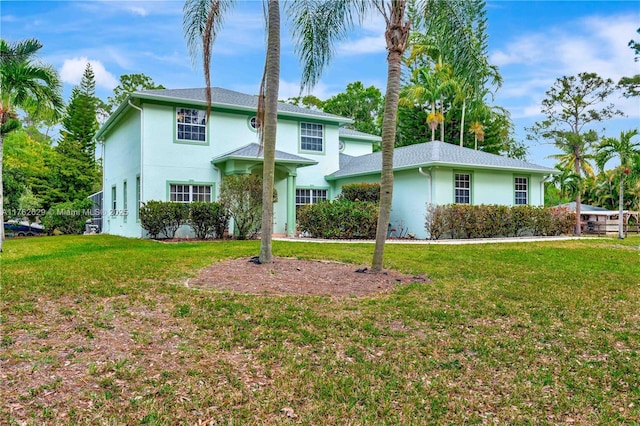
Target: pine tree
(75, 171)
(80, 123)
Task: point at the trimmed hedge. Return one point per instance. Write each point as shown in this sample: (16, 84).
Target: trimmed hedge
(208, 219)
(360, 192)
(164, 217)
(339, 219)
(458, 221)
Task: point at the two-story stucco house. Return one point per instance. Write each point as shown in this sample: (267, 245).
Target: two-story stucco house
(158, 145)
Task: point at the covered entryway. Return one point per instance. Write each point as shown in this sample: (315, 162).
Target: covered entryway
(249, 159)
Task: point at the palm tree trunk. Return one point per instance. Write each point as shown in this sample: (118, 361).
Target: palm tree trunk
(621, 208)
(464, 107)
(578, 226)
(442, 124)
(1, 190)
(433, 129)
(396, 35)
(272, 70)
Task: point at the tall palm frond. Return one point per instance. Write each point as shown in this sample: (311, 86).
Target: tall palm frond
(24, 82)
(627, 151)
(202, 21)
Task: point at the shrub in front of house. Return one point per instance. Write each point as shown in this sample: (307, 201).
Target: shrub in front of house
(68, 218)
(339, 219)
(163, 217)
(460, 221)
(360, 192)
(208, 220)
(241, 196)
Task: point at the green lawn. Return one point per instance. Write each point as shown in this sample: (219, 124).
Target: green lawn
(101, 330)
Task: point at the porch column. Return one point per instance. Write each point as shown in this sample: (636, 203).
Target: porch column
(291, 205)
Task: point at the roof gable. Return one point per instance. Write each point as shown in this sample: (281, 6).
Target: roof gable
(252, 151)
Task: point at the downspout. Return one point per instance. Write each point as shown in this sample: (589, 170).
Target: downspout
(141, 154)
(428, 176)
(104, 184)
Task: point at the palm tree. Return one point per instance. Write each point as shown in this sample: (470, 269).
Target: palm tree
(575, 155)
(478, 133)
(202, 22)
(566, 181)
(626, 151)
(24, 83)
(317, 25)
(456, 34)
(428, 88)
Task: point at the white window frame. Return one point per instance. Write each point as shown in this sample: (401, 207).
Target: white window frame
(191, 194)
(191, 122)
(311, 137)
(521, 188)
(311, 196)
(462, 188)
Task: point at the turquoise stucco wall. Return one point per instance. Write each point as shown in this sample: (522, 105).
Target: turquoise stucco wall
(122, 162)
(356, 148)
(164, 161)
(413, 191)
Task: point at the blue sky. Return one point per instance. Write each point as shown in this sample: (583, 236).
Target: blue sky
(532, 42)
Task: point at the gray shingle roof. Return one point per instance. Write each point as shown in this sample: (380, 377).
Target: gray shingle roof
(225, 97)
(584, 208)
(434, 153)
(344, 159)
(356, 133)
(250, 152)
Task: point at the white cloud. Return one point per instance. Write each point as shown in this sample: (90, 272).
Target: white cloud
(72, 70)
(593, 44)
(138, 10)
(363, 46)
(369, 37)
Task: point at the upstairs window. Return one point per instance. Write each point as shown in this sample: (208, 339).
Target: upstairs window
(311, 137)
(463, 188)
(522, 190)
(185, 193)
(191, 125)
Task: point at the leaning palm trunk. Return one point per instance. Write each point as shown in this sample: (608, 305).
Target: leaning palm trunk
(268, 132)
(621, 208)
(396, 36)
(578, 226)
(1, 191)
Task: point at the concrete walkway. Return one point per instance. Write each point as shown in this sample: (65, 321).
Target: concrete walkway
(451, 242)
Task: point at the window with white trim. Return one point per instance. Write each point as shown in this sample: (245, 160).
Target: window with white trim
(310, 196)
(114, 204)
(462, 188)
(522, 190)
(187, 193)
(191, 125)
(311, 137)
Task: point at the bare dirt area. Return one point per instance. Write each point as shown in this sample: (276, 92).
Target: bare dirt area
(295, 276)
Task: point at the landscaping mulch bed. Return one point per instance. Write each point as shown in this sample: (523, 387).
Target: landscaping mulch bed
(295, 276)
